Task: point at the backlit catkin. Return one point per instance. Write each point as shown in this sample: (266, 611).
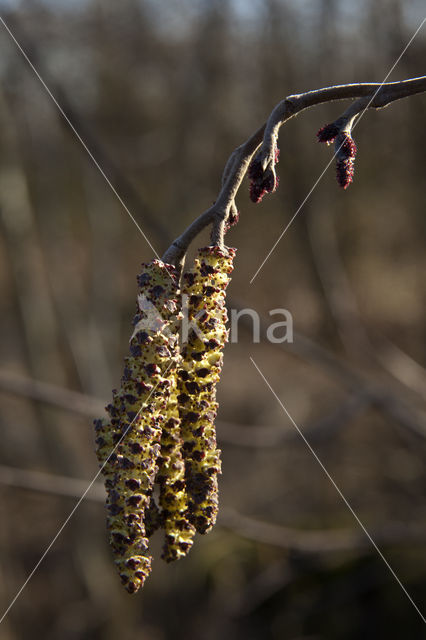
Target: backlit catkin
(139, 410)
(179, 533)
(203, 293)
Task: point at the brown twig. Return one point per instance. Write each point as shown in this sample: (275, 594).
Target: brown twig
(369, 95)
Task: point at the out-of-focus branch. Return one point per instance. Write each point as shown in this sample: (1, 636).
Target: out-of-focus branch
(382, 398)
(319, 541)
(353, 379)
(370, 95)
(52, 484)
(231, 433)
(320, 429)
(122, 184)
(51, 394)
(400, 365)
(363, 394)
(336, 285)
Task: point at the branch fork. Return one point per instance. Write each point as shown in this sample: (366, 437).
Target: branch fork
(258, 156)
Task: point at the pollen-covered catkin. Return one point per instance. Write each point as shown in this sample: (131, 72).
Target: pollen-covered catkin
(179, 533)
(129, 445)
(203, 295)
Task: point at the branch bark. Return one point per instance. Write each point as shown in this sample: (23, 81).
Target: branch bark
(263, 141)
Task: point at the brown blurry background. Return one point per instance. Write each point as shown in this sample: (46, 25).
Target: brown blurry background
(162, 93)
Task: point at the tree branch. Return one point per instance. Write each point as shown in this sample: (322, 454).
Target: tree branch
(318, 541)
(302, 540)
(51, 394)
(254, 436)
(264, 140)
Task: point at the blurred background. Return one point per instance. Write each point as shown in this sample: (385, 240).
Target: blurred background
(161, 93)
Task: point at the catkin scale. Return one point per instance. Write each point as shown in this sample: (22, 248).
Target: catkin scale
(137, 414)
(198, 375)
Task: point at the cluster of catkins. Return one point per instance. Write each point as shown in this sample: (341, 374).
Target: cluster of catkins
(158, 450)
(345, 151)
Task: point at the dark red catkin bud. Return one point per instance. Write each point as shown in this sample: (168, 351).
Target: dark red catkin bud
(328, 133)
(276, 155)
(345, 159)
(262, 181)
(232, 219)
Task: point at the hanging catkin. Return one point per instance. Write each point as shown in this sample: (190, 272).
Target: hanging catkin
(179, 533)
(129, 445)
(203, 289)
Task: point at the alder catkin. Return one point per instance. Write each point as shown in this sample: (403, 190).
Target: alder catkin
(129, 445)
(203, 292)
(179, 533)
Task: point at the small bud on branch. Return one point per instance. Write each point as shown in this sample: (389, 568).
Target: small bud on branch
(258, 154)
(328, 133)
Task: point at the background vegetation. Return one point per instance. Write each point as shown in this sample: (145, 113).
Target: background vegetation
(162, 93)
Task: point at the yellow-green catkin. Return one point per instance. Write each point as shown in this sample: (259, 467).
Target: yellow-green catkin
(129, 445)
(203, 289)
(179, 533)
